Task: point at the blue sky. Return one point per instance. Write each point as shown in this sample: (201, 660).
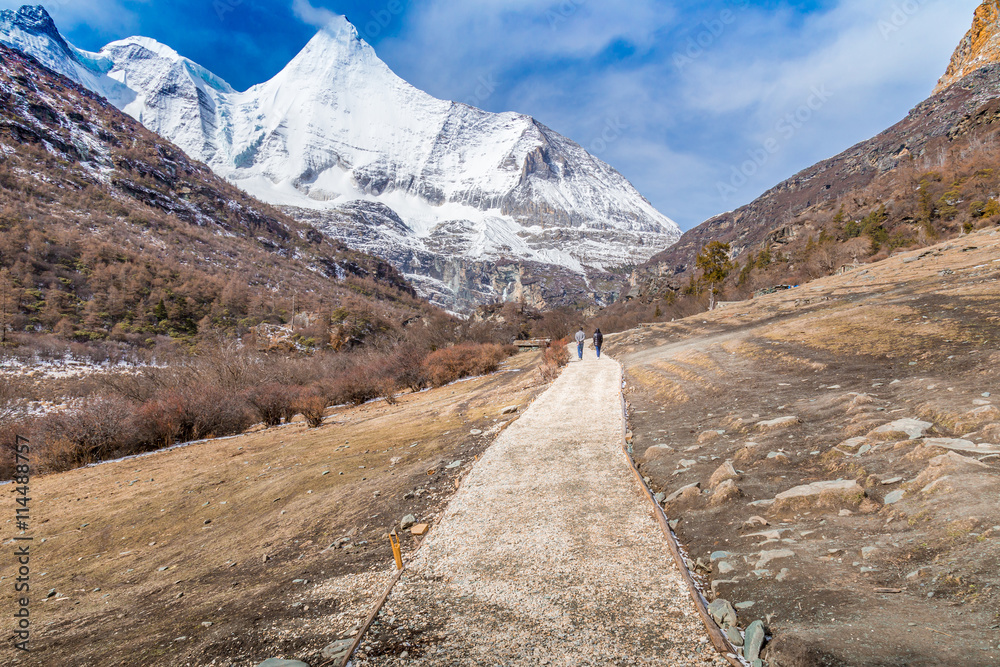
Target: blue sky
(680, 96)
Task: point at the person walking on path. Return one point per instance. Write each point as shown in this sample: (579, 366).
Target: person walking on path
(580, 338)
(598, 341)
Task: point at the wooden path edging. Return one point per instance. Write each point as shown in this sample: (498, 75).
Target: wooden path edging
(715, 634)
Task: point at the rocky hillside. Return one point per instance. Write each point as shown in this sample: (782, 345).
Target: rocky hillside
(979, 47)
(933, 172)
(337, 137)
(110, 232)
(831, 456)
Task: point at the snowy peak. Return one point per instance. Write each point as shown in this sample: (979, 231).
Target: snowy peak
(375, 161)
(34, 20)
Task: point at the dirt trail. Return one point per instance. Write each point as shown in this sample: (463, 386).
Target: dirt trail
(548, 554)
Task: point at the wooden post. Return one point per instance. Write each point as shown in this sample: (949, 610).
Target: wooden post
(396, 552)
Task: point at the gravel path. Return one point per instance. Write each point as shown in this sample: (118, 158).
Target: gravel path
(548, 555)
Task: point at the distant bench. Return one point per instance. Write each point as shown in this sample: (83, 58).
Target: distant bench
(535, 344)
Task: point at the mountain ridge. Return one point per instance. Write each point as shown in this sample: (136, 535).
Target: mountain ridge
(336, 126)
(113, 236)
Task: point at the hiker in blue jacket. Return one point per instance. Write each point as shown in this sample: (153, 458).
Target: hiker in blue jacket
(580, 338)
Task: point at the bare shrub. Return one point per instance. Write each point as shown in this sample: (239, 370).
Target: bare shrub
(557, 353)
(360, 384)
(407, 369)
(272, 402)
(312, 404)
(192, 413)
(464, 360)
(556, 356)
(99, 429)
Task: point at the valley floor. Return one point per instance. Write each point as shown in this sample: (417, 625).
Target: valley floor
(900, 565)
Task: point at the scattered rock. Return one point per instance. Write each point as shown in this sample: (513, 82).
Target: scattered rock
(658, 452)
(779, 423)
(659, 498)
(475, 431)
(868, 552)
(509, 410)
(719, 555)
(783, 574)
(407, 521)
(724, 472)
(754, 641)
(740, 606)
(279, 662)
(723, 613)
(453, 465)
(767, 556)
(734, 637)
(959, 445)
(725, 567)
(725, 492)
(894, 497)
(911, 428)
(892, 480)
(755, 521)
(837, 488)
(681, 491)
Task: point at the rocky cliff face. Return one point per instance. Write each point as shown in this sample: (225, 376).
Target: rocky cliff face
(426, 183)
(979, 47)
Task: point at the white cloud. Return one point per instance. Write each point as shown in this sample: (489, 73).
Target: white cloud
(318, 17)
(688, 126)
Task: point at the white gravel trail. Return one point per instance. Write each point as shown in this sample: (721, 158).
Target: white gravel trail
(548, 555)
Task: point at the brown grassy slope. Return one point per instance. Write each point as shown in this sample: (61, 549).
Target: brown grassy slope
(914, 336)
(114, 526)
(108, 231)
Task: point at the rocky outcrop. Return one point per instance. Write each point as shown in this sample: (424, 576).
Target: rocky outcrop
(979, 47)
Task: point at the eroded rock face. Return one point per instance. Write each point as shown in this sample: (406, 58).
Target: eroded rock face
(979, 47)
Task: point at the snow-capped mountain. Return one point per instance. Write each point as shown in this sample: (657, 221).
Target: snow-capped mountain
(471, 205)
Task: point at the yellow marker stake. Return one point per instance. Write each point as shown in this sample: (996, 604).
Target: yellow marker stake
(396, 553)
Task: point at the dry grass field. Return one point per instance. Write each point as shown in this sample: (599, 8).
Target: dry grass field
(231, 551)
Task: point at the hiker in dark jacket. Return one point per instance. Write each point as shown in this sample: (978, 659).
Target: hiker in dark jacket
(598, 342)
